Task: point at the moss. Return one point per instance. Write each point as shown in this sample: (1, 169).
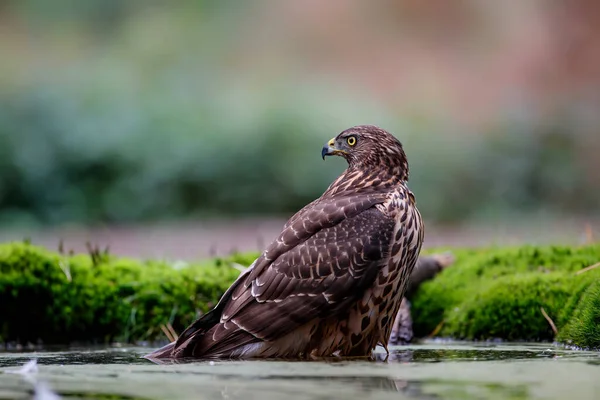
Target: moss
(488, 293)
(507, 303)
(499, 293)
(583, 329)
(54, 298)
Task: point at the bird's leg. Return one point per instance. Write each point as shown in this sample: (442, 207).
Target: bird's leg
(387, 352)
(385, 347)
(383, 342)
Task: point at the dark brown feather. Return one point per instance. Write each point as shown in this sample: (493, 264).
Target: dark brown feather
(322, 214)
(284, 302)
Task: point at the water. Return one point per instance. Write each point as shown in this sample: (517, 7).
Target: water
(426, 371)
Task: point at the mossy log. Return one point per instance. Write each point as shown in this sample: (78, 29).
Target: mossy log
(55, 298)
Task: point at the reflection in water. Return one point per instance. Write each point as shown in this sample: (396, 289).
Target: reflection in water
(415, 372)
(360, 384)
(371, 384)
(401, 356)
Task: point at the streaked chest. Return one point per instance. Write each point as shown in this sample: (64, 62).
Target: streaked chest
(408, 228)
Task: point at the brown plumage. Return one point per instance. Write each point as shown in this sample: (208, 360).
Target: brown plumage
(332, 282)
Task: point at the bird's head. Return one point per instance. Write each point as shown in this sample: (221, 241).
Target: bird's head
(367, 147)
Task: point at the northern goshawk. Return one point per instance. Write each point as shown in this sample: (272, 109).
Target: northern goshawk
(331, 284)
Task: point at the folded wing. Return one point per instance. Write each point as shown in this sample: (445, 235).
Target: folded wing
(316, 277)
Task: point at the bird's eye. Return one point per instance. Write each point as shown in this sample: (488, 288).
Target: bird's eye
(351, 140)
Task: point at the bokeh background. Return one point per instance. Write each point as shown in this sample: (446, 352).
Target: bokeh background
(187, 128)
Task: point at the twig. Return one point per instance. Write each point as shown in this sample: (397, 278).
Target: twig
(97, 255)
(445, 259)
(239, 267)
(173, 333)
(581, 271)
(64, 266)
(549, 321)
(437, 329)
(167, 333)
(148, 332)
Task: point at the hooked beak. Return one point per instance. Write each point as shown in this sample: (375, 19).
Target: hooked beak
(329, 149)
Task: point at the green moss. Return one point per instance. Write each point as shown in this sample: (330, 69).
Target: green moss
(499, 293)
(63, 299)
(509, 302)
(583, 329)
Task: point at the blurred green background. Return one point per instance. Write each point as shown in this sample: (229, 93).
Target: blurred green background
(116, 113)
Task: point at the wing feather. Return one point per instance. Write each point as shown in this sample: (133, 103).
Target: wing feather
(334, 261)
(300, 296)
(318, 215)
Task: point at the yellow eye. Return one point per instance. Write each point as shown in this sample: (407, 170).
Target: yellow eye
(351, 140)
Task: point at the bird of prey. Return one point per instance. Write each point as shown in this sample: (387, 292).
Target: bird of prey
(332, 282)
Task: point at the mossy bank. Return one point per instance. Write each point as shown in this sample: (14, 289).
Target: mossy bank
(56, 298)
(503, 293)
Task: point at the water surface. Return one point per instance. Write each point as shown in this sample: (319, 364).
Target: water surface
(426, 371)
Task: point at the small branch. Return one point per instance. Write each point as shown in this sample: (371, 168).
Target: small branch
(549, 320)
(581, 271)
(445, 259)
(437, 329)
(173, 333)
(64, 266)
(168, 333)
(239, 267)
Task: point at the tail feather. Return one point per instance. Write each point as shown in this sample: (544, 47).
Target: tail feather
(229, 345)
(163, 352)
(197, 339)
(185, 342)
(199, 327)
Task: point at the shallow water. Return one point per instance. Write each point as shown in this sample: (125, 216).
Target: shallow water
(425, 371)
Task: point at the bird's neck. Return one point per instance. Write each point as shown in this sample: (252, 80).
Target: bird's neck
(387, 166)
(357, 178)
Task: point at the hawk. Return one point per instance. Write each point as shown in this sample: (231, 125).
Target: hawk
(332, 282)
